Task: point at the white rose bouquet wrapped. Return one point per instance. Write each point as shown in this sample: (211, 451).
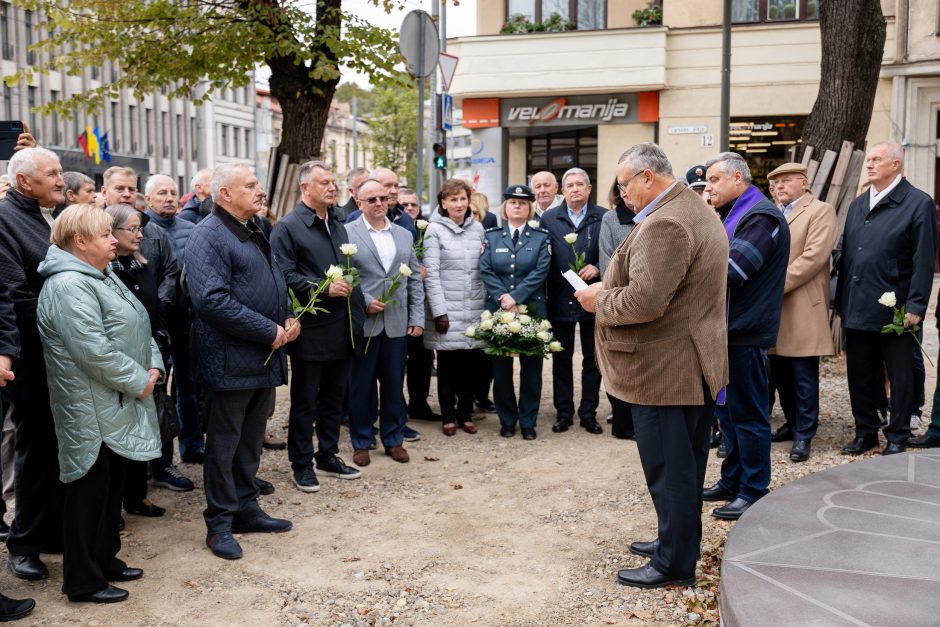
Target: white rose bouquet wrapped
(506, 333)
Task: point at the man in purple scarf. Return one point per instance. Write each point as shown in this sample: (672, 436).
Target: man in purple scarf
(757, 267)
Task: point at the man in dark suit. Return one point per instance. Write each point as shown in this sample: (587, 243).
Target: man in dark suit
(354, 179)
(306, 243)
(576, 217)
(661, 309)
(889, 245)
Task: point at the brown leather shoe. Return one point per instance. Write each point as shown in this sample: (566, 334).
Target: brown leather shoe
(469, 427)
(398, 453)
(274, 443)
(449, 429)
(361, 457)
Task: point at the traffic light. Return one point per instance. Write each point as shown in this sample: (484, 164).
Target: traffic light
(440, 156)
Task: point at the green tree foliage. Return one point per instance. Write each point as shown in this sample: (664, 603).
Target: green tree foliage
(394, 126)
(364, 99)
(191, 47)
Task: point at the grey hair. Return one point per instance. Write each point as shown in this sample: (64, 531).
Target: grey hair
(223, 176)
(156, 178)
(354, 173)
(201, 177)
(371, 179)
(120, 214)
(647, 156)
(894, 150)
(550, 174)
(576, 172)
(26, 161)
(304, 174)
(75, 180)
(729, 163)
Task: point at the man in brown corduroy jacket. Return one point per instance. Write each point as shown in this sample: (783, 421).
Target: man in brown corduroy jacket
(662, 347)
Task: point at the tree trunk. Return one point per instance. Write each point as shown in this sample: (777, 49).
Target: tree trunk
(853, 40)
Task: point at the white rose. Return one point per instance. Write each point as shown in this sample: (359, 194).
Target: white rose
(506, 317)
(571, 238)
(543, 335)
(421, 224)
(348, 249)
(515, 326)
(486, 324)
(522, 309)
(545, 325)
(555, 347)
(888, 299)
(524, 319)
(334, 273)
(404, 270)
(486, 315)
(534, 224)
(471, 331)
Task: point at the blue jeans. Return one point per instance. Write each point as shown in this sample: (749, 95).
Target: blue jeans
(745, 427)
(385, 363)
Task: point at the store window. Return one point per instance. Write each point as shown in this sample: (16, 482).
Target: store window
(774, 10)
(559, 152)
(585, 14)
(765, 142)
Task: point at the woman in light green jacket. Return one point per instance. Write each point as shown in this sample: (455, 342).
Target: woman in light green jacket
(101, 366)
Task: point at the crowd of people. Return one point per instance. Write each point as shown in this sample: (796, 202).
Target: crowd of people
(697, 302)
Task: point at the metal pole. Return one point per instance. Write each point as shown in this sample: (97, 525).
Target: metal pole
(434, 179)
(419, 161)
(355, 131)
(725, 77)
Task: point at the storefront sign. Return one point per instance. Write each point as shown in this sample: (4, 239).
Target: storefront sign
(687, 130)
(568, 111)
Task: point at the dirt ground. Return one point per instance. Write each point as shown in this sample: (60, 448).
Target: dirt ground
(476, 530)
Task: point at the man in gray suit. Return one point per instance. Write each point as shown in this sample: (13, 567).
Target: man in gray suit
(385, 250)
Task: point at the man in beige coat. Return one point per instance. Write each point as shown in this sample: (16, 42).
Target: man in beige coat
(804, 333)
(661, 336)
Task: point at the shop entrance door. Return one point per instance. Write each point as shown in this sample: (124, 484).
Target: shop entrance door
(561, 151)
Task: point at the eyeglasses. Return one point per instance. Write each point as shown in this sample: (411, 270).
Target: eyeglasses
(374, 199)
(409, 204)
(134, 229)
(623, 186)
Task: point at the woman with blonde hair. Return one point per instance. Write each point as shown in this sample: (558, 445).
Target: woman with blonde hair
(102, 365)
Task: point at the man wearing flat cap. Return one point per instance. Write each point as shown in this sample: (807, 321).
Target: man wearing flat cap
(804, 333)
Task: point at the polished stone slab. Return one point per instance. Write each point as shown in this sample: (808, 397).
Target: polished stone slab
(858, 544)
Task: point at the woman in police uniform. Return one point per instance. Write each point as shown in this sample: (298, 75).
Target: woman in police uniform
(514, 266)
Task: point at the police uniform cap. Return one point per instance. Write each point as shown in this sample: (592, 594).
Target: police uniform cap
(695, 177)
(519, 191)
(788, 168)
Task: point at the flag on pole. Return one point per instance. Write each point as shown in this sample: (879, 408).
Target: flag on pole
(97, 154)
(92, 138)
(83, 143)
(105, 148)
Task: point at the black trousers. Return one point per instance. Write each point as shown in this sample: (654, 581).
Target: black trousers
(317, 390)
(484, 378)
(622, 424)
(865, 351)
(526, 410)
(456, 383)
(234, 434)
(37, 524)
(418, 371)
(797, 381)
(562, 373)
(92, 512)
(673, 446)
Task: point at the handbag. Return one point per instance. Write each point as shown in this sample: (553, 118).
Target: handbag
(166, 414)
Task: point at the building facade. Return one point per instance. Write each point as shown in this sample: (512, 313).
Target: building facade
(580, 97)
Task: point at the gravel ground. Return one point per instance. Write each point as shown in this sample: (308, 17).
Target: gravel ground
(476, 530)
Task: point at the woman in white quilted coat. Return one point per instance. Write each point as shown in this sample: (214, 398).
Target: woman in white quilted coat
(455, 296)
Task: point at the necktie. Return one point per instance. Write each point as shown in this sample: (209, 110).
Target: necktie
(515, 237)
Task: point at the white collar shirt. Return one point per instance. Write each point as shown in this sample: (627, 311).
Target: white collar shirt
(384, 243)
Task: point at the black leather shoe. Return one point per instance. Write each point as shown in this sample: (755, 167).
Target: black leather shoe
(28, 567)
(14, 609)
(923, 441)
(722, 451)
(731, 511)
(144, 507)
(108, 595)
(486, 405)
(783, 434)
(649, 577)
(894, 448)
(262, 523)
(800, 451)
(507, 432)
(644, 549)
(4, 531)
(718, 492)
(561, 425)
(860, 444)
(128, 574)
(266, 488)
(528, 433)
(224, 545)
(715, 441)
(591, 426)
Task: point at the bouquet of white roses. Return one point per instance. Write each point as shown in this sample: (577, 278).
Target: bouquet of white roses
(506, 333)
